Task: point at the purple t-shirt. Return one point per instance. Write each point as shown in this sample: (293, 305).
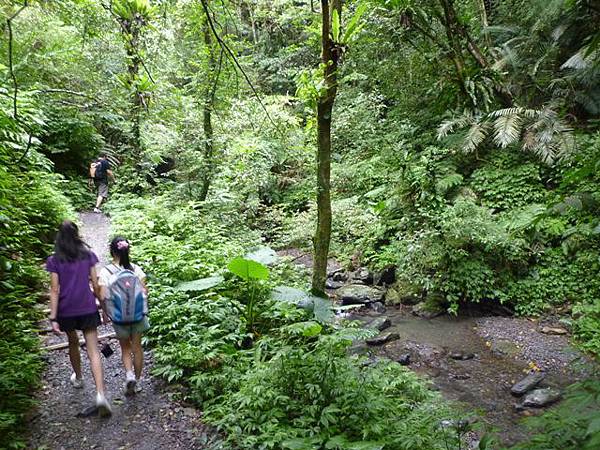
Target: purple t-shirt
(76, 297)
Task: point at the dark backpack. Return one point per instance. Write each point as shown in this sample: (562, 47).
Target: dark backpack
(127, 302)
(99, 170)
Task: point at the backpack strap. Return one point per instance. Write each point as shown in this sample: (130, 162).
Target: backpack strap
(110, 271)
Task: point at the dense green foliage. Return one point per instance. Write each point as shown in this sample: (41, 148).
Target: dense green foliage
(31, 207)
(295, 388)
(465, 154)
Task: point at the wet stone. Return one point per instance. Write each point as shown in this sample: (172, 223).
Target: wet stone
(339, 276)
(422, 310)
(527, 383)
(380, 323)
(378, 307)
(462, 356)
(363, 275)
(357, 294)
(331, 284)
(538, 398)
(404, 359)
(383, 338)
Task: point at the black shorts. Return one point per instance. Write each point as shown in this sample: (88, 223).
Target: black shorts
(84, 322)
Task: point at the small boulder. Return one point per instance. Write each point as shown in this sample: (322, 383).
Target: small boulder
(426, 311)
(339, 275)
(383, 338)
(363, 276)
(386, 277)
(403, 293)
(553, 330)
(380, 323)
(378, 307)
(504, 347)
(404, 359)
(332, 284)
(358, 294)
(462, 356)
(527, 383)
(538, 398)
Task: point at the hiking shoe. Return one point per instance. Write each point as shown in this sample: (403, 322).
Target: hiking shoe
(104, 409)
(98, 210)
(138, 386)
(77, 383)
(130, 384)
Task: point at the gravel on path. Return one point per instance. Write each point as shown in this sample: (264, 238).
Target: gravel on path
(152, 419)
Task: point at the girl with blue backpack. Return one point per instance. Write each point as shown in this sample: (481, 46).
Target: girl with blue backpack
(124, 292)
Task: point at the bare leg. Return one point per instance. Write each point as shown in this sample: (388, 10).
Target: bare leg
(74, 355)
(91, 343)
(126, 354)
(99, 201)
(138, 354)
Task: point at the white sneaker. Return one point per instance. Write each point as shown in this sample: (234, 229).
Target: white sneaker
(97, 210)
(104, 409)
(77, 383)
(130, 384)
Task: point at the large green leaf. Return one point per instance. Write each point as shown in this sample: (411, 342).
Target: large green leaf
(200, 285)
(248, 269)
(322, 309)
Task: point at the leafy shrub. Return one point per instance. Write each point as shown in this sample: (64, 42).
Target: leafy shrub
(316, 397)
(572, 425)
(268, 373)
(31, 208)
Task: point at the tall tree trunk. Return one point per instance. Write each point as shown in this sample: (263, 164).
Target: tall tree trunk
(329, 58)
(207, 109)
(133, 69)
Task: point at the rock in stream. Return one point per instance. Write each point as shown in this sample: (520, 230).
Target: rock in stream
(527, 383)
(359, 294)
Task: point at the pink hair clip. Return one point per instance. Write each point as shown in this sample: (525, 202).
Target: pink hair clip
(122, 245)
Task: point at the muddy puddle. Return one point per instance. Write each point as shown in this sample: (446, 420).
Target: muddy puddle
(476, 360)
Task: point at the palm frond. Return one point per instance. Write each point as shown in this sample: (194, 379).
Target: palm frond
(449, 126)
(507, 129)
(475, 136)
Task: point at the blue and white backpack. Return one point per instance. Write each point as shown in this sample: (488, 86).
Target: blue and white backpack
(126, 303)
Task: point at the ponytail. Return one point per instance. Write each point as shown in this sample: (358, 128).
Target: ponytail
(119, 248)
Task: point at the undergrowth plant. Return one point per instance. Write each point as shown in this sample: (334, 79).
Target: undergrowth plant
(270, 370)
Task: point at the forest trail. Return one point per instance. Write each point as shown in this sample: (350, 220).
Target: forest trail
(150, 420)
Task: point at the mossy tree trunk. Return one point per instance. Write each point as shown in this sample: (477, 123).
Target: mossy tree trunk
(330, 53)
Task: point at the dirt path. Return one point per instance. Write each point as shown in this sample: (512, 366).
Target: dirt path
(150, 420)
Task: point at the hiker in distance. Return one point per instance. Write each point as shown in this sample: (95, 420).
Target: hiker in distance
(125, 297)
(73, 305)
(100, 172)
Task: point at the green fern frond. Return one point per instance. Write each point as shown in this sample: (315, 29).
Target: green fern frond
(449, 126)
(507, 129)
(475, 136)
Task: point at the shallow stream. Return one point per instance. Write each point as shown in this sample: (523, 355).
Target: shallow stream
(503, 350)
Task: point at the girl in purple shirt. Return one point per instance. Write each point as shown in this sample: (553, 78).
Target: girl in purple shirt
(73, 305)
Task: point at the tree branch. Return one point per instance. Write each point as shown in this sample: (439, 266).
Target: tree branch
(10, 57)
(237, 64)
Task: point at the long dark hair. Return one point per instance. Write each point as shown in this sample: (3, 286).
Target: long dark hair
(68, 246)
(119, 248)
